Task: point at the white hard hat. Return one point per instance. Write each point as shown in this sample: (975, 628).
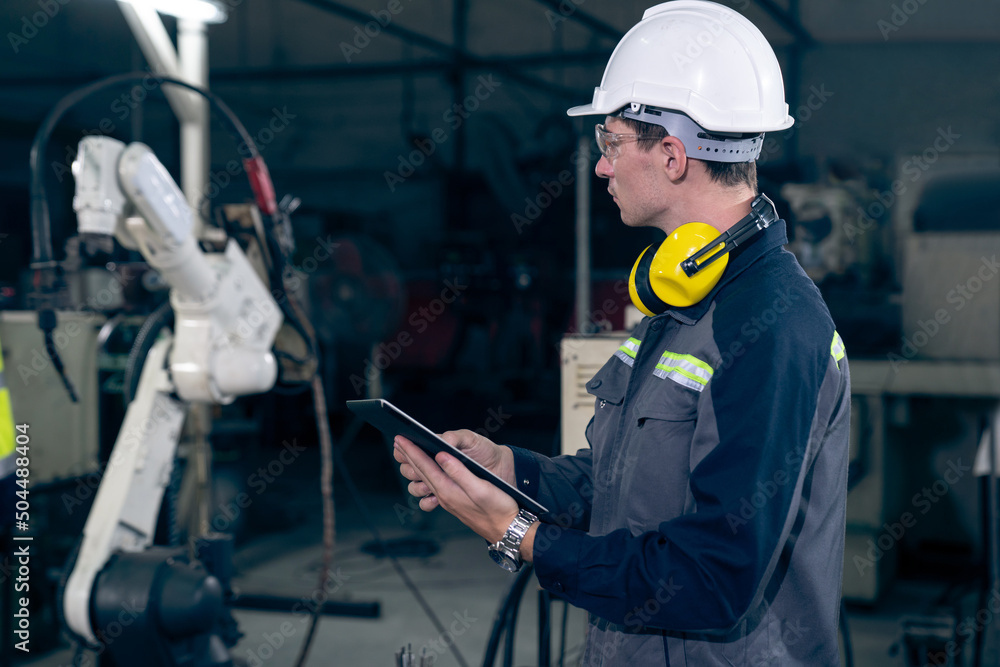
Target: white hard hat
(702, 59)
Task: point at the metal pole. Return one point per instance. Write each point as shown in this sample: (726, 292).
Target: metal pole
(192, 51)
(583, 235)
(460, 17)
(155, 43)
(188, 62)
(793, 84)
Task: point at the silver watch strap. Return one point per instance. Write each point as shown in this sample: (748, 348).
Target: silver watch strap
(518, 528)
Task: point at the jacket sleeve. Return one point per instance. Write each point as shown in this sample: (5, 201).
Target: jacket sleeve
(562, 483)
(706, 570)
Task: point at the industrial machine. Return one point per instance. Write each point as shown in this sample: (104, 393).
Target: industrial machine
(226, 322)
(233, 326)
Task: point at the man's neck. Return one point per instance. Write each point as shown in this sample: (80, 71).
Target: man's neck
(720, 207)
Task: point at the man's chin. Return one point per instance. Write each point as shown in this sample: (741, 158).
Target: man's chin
(630, 220)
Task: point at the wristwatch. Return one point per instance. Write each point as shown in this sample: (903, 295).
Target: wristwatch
(507, 552)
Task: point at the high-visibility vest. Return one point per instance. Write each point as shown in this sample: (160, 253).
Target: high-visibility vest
(6, 428)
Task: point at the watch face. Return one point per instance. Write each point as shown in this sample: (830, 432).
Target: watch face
(504, 561)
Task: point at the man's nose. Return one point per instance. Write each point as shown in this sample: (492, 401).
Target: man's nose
(604, 169)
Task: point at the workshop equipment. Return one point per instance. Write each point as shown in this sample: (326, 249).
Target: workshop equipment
(226, 322)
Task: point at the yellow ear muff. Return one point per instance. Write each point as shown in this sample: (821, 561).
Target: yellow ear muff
(658, 282)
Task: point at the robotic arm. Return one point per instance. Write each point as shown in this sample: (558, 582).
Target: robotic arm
(226, 317)
(225, 324)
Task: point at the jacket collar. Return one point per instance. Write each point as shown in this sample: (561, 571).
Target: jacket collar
(739, 260)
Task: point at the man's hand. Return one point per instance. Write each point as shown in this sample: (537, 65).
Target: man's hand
(498, 459)
(445, 481)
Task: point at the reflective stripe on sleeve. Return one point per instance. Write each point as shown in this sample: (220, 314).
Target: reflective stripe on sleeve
(626, 352)
(837, 349)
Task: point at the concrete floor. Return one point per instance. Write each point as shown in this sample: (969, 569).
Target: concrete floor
(460, 583)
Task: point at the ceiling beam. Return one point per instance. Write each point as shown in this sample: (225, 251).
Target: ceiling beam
(596, 25)
(408, 67)
(429, 66)
(454, 54)
(394, 68)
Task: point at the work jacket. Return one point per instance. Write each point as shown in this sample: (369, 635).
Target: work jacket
(705, 523)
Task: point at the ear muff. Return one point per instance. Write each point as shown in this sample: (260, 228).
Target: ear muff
(689, 263)
(658, 282)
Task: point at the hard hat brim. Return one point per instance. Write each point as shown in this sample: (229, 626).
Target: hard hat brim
(585, 110)
(592, 110)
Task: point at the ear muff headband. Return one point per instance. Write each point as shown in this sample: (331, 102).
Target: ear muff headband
(689, 263)
(762, 215)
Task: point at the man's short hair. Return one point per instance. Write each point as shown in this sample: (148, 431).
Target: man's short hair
(730, 174)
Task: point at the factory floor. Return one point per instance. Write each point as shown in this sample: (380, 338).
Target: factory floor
(459, 583)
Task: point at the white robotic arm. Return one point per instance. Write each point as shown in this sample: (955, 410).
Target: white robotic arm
(225, 324)
(114, 181)
(226, 319)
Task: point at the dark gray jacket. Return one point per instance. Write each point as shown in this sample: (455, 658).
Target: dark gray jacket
(705, 524)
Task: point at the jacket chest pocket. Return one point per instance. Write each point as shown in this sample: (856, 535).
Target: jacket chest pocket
(665, 400)
(608, 389)
(656, 462)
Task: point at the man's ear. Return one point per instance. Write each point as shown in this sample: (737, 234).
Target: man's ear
(674, 158)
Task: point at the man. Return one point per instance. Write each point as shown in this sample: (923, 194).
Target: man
(705, 524)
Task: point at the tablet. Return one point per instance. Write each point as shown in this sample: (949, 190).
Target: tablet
(392, 421)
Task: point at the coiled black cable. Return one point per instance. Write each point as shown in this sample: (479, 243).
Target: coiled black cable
(506, 620)
(160, 318)
(41, 230)
(41, 227)
(369, 521)
(47, 323)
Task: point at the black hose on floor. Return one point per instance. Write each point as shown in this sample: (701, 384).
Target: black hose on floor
(503, 618)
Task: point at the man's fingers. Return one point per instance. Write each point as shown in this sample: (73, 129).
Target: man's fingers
(438, 481)
(417, 486)
(418, 489)
(409, 472)
(424, 466)
(397, 452)
(428, 503)
(462, 476)
(463, 439)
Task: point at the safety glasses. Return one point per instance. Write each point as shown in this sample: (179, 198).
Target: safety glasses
(609, 143)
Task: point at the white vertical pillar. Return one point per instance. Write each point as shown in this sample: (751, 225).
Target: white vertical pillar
(192, 52)
(583, 324)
